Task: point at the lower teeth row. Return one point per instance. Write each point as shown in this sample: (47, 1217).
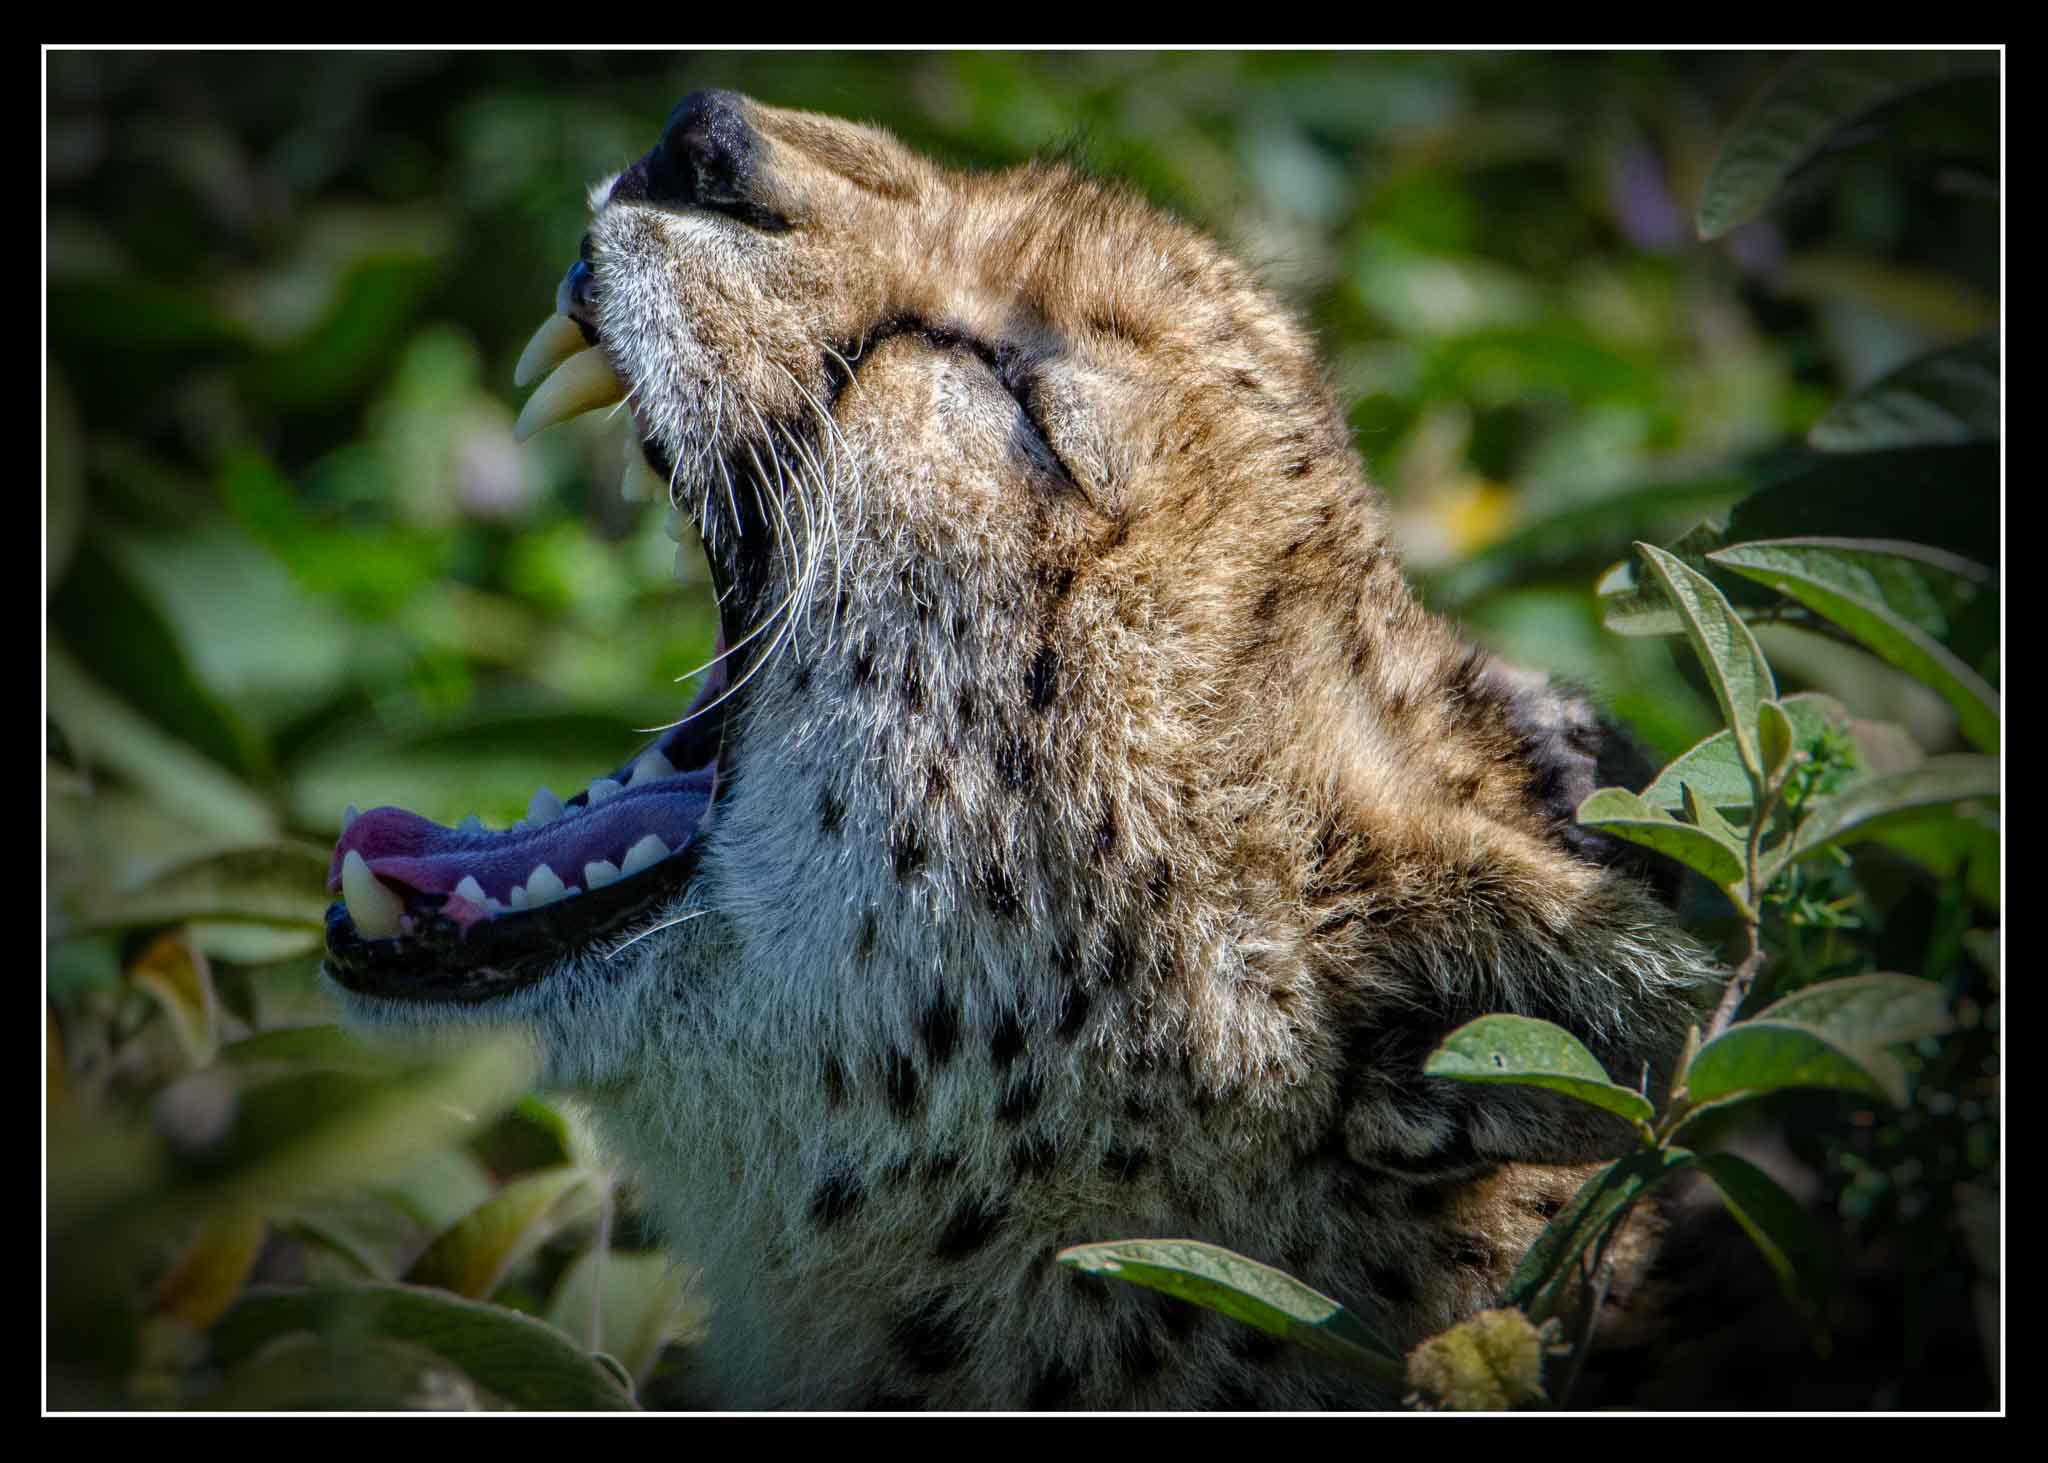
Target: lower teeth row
(376, 910)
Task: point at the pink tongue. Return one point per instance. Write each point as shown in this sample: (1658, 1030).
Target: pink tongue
(404, 848)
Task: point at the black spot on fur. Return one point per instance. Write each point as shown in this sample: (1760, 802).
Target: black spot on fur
(1256, 1348)
(1073, 1013)
(1159, 884)
(973, 1225)
(1056, 1389)
(1105, 836)
(1020, 1099)
(939, 1029)
(907, 850)
(835, 1082)
(901, 1083)
(1179, 1318)
(937, 782)
(929, 1340)
(1042, 680)
(831, 813)
(1469, 1252)
(870, 932)
(863, 665)
(835, 1199)
(998, 891)
(1033, 1157)
(1116, 960)
(1138, 1357)
(1391, 1284)
(1007, 1044)
(1014, 765)
(1125, 1164)
(1245, 381)
(1269, 601)
(1137, 1108)
(1301, 467)
(965, 705)
(913, 688)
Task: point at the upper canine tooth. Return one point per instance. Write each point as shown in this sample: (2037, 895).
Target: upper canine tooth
(374, 908)
(584, 382)
(544, 808)
(348, 816)
(558, 338)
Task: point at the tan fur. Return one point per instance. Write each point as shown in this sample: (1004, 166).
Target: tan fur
(1113, 833)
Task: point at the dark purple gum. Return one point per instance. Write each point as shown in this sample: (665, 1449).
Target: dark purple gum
(450, 949)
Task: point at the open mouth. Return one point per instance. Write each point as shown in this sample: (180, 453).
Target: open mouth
(429, 912)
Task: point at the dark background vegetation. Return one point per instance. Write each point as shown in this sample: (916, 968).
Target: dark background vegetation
(295, 560)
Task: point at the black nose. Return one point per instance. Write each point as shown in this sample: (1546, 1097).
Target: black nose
(576, 297)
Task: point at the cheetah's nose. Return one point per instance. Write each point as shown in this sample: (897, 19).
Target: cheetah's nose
(576, 297)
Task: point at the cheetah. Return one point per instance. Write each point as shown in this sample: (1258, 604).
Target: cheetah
(1083, 832)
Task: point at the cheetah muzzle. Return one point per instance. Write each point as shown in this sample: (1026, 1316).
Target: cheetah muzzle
(1084, 832)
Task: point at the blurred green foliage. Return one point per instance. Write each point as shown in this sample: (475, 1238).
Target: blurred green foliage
(295, 561)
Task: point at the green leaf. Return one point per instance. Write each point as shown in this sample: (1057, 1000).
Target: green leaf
(1791, 1241)
(1713, 772)
(1854, 583)
(1756, 1057)
(113, 735)
(1531, 1053)
(223, 1140)
(472, 1257)
(301, 1372)
(1539, 1283)
(282, 884)
(1620, 812)
(1735, 667)
(1876, 1010)
(1946, 396)
(1776, 739)
(524, 1361)
(1246, 1290)
(636, 1302)
(178, 977)
(1806, 105)
(1631, 605)
(1862, 809)
(112, 625)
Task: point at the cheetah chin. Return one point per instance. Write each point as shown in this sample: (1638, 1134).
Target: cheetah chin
(1083, 834)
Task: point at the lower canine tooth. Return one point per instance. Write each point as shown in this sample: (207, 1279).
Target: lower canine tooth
(603, 790)
(543, 887)
(584, 382)
(597, 875)
(644, 854)
(374, 908)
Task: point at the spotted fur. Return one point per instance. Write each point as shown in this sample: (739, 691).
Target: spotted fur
(1111, 835)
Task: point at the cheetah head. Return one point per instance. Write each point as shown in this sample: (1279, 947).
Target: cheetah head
(1075, 747)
